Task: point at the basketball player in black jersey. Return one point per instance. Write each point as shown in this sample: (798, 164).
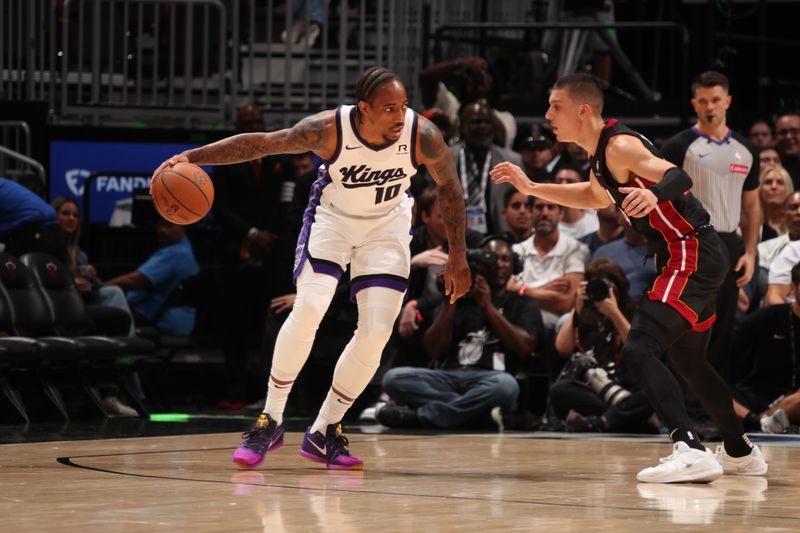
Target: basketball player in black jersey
(678, 311)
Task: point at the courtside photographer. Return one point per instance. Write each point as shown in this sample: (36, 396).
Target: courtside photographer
(593, 391)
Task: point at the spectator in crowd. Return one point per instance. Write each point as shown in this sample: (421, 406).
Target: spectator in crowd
(610, 228)
(480, 341)
(536, 151)
(107, 306)
(306, 168)
(761, 135)
(518, 214)
(575, 222)
(768, 250)
(86, 279)
(442, 121)
(768, 157)
(595, 51)
(787, 133)
(553, 264)
(765, 345)
(775, 186)
(429, 249)
(785, 251)
(150, 285)
(474, 156)
(630, 254)
(301, 34)
(450, 85)
(594, 393)
(251, 203)
(28, 223)
(724, 171)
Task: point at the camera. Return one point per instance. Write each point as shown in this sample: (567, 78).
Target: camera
(477, 257)
(582, 368)
(598, 381)
(598, 289)
(576, 367)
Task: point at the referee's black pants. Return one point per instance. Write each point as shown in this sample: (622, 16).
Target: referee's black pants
(719, 347)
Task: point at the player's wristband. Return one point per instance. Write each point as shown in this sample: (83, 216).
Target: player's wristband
(672, 186)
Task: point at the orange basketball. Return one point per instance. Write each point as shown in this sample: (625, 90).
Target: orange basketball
(183, 193)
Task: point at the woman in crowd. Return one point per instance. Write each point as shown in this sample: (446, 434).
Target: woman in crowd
(775, 186)
(86, 279)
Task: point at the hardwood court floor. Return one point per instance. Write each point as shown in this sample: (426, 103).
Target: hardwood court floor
(411, 483)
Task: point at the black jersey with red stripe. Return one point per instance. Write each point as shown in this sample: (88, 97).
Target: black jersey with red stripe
(669, 221)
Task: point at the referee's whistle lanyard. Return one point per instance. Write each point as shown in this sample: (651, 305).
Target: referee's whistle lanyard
(483, 177)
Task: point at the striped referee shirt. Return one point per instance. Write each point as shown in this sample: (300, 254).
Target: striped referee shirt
(721, 171)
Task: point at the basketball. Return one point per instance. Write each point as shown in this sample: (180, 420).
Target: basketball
(183, 193)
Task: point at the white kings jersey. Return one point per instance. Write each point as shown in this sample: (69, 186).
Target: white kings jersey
(369, 181)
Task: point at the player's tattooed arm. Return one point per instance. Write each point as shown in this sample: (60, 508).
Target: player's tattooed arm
(436, 156)
(315, 133)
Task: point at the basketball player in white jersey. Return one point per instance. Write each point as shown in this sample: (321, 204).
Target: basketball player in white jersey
(359, 212)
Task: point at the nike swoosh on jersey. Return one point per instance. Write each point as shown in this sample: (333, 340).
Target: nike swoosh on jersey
(352, 147)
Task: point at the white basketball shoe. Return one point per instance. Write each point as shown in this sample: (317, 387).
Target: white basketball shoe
(684, 465)
(777, 422)
(752, 464)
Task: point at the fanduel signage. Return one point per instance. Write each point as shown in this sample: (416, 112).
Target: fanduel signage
(71, 162)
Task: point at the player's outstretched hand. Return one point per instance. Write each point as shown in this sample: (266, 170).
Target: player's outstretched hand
(172, 161)
(506, 172)
(457, 278)
(638, 202)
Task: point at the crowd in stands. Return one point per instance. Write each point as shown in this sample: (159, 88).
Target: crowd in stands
(553, 286)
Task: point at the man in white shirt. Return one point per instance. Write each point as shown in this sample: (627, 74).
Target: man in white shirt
(553, 264)
(575, 222)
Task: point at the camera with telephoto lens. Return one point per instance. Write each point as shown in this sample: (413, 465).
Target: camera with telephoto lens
(582, 368)
(598, 289)
(610, 391)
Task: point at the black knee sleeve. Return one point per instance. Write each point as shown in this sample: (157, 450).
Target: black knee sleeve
(637, 347)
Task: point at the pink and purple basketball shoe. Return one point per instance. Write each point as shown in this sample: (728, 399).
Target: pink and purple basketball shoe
(330, 448)
(266, 435)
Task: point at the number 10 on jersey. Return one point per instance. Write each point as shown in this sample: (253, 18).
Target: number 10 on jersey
(384, 194)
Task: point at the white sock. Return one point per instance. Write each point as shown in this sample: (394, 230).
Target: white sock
(277, 395)
(333, 409)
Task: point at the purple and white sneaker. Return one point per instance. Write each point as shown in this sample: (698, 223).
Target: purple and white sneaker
(265, 436)
(331, 449)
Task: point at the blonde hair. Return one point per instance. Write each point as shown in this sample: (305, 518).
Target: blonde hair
(75, 237)
(787, 183)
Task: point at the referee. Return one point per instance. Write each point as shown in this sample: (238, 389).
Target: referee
(724, 168)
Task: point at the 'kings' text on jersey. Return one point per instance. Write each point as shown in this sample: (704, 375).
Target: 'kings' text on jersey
(364, 180)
